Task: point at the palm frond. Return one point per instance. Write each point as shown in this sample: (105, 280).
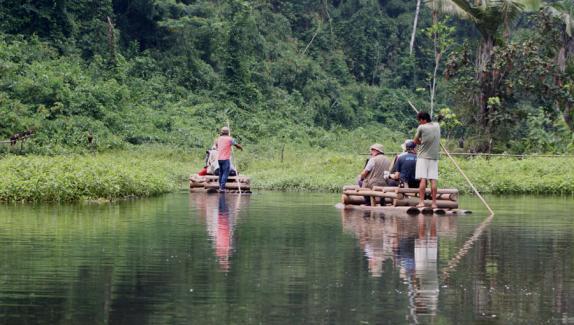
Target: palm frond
(510, 8)
(564, 14)
(532, 5)
(457, 8)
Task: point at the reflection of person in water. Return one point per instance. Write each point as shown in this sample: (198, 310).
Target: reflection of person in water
(426, 273)
(223, 234)
(376, 242)
(220, 216)
(412, 245)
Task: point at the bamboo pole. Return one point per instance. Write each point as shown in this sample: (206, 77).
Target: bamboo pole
(459, 169)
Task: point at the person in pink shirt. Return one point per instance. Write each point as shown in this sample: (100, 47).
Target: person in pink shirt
(223, 145)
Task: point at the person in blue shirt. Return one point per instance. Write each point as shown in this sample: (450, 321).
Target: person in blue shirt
(403, 172)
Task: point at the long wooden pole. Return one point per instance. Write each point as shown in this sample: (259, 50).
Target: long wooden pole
(231, 160)
(459, 169)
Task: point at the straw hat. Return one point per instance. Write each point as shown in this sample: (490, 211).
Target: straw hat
(378, 147)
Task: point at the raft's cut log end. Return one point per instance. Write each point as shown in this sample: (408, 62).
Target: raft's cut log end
(413, 210)
(426, 210)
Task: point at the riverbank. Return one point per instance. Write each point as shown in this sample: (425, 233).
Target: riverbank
(108, 176)
(324, 170)
(153, 171)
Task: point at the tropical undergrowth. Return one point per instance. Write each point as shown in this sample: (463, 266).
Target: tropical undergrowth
(81, 177)
(275, 165)
(328, 171)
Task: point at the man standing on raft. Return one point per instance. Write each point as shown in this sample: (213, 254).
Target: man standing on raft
(428, 139)
(223, 146)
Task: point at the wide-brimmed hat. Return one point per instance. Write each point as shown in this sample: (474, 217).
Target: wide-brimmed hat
(378, 147)
(224, 130)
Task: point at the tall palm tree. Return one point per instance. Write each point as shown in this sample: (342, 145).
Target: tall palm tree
(492, 19)
(564, 11)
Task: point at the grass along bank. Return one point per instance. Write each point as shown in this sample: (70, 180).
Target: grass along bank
(109, 176)
(152, 171)
(324, 170)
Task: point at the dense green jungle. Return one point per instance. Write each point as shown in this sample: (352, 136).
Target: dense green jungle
(142, 86)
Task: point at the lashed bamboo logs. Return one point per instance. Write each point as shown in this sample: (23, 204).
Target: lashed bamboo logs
(416, 190)
(352, 199)
(211, 183)
(367, 192)
(193, 184)
(396, 196)
(208, 178)
(228, 185)
(412, 201)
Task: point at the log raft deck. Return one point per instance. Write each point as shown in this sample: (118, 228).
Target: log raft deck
(210, 184)
(399, 200)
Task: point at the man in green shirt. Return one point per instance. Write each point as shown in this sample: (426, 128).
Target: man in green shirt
(428, 139)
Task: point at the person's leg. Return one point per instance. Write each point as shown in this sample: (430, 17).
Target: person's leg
(433, 176)
(223, 173)
(433, 193)
(422, 189)
(421, 173)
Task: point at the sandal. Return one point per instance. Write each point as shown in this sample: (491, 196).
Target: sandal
(420, 205)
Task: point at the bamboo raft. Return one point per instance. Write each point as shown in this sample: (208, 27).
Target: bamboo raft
(210, 184)
(400, 200)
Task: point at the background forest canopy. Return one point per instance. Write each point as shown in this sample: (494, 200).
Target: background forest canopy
(315, 72)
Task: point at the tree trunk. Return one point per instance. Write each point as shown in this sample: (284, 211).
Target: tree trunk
(437, 55)
(562, 57)
(568, 113)
(484, 78)
(415, 27)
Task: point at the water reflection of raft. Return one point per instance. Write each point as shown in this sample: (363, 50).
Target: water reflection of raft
(401, 200)
(210, 183)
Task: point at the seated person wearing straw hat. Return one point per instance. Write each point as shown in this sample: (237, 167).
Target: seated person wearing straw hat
(403, 171)
(377, 168)
(223, 145)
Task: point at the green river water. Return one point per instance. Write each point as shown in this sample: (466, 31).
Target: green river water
(285, 258)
